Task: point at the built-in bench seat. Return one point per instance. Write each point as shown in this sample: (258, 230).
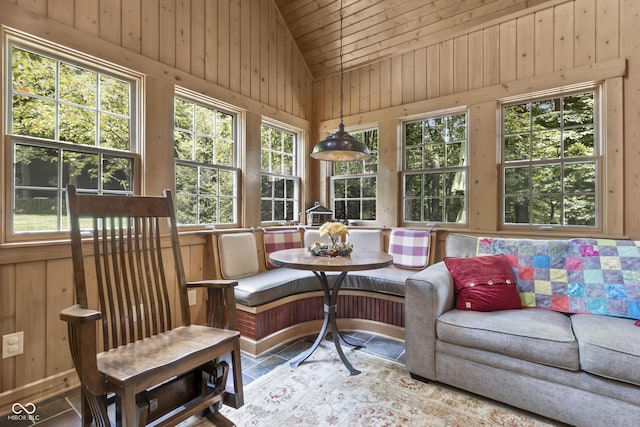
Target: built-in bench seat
(275, 305)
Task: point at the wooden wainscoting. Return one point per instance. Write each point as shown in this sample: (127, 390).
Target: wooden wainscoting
(270, 325)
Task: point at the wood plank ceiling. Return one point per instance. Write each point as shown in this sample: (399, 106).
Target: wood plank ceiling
(377, 29)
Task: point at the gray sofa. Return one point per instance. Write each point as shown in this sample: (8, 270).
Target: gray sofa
(581, 369)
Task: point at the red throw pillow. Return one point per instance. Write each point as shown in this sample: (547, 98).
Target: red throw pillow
(484, 283)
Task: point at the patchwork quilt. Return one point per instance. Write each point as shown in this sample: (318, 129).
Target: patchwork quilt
(574, 276)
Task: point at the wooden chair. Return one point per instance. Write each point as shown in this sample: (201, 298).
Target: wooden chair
(123, 341)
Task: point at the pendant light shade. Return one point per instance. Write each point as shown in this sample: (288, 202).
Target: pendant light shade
(340, 147)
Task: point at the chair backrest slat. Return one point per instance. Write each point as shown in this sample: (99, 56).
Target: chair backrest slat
(131, 283)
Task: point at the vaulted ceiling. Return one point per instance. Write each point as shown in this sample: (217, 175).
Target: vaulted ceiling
(377, 29)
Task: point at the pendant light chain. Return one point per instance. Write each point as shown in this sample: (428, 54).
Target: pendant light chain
(341, 66)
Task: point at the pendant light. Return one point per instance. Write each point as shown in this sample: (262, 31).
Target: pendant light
(340, 147)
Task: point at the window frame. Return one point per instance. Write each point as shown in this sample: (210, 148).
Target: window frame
(61, 54)
(333, 177)
(466, 167)
(235, 168)
(598, 157)
(296, 176)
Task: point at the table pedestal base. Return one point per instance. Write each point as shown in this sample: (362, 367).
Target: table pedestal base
(330, 299)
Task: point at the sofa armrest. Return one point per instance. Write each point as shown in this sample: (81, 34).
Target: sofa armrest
(428, 294)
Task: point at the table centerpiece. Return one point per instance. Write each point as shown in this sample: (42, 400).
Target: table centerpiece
(335, 231)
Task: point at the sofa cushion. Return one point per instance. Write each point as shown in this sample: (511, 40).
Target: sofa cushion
(238, 255)
(409, 248)
(278, 240)
(483, 283)
(609, 346)
(536, 335)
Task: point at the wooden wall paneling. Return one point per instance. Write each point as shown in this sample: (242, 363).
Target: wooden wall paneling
(288, 72)
(110, 22)
(211, 40)
(508, 51)
(183, 35)
(525, 55)
(59, 295)
(36, 6)
(491, 56)
(327, 97)
(385, 83)
(265, 23)
(255, 29)
(408, 77)
(476, 59)
(247, 31)
(87, 16)
(608, 29)
(420, 74)
(31, 279)
(296, 73)
(613, 130)
(280, 64)
(446, 67)
(433, 71)
(585, 32)
(7, 322)
(131, 25)
(223, 43)
(396, 80)
(167, 37)
(365, 89)
(196, 32)
(234, 45)
(374, 86)
(354, 94)
(62, 11)
(629, 22)
(273, 56)
(483, 180)
(460, 64)
(543, 40)
(563, 36)
(150, 30)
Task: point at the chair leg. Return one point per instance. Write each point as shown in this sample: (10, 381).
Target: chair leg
(235, 399)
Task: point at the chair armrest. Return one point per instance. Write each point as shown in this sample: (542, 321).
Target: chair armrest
(221, 302)
(428, 294)
(211, 283)
(77, 314)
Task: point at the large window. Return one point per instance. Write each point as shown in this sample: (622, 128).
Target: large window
(353, 184)
(205, 158)
(70, 123)
(280, 183)
(435, 169)
(550, 161)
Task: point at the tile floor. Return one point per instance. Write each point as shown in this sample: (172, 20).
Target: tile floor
(64, 411)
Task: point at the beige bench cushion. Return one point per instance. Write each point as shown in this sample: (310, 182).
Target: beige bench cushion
(238, 255)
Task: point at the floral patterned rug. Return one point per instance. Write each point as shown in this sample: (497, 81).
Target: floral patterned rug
(320, 392)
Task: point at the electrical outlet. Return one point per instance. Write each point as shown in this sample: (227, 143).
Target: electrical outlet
(12, 344)
(192, 297)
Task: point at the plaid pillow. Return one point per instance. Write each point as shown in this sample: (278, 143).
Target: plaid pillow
(278, 240)
(409, 248)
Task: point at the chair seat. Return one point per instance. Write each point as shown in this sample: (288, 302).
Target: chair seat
(167, 354)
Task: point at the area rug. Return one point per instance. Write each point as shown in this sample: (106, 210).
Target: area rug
(320, 392)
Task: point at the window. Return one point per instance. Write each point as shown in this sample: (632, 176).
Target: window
(205, 158)
(280, 183)
(69, 124)
(550, 170)
(353, 184)
(435, 169)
